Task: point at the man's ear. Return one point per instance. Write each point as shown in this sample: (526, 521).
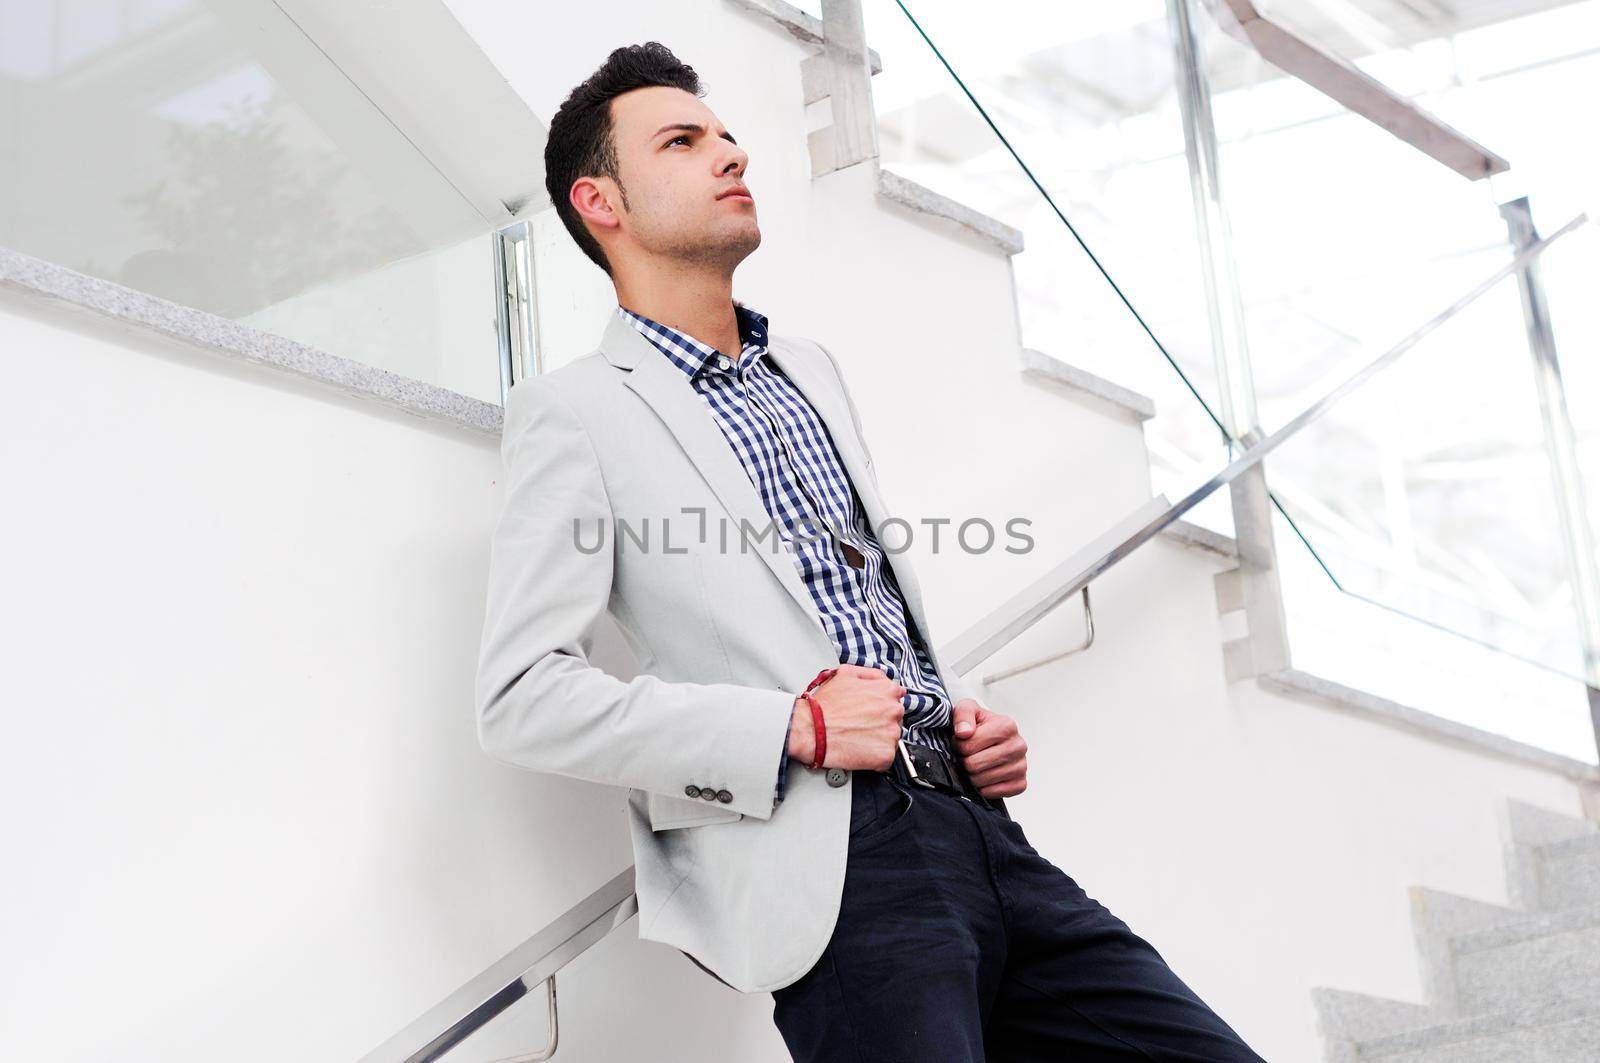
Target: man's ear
(593, 200)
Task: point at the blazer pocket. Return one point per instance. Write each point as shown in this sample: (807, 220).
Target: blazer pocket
(667, 812)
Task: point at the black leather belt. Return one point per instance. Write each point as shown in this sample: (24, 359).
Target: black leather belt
(924, 766)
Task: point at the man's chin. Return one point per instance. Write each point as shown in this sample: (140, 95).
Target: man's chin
(741, 246)
(730, 248)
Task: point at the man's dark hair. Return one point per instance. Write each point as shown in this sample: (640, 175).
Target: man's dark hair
(582, 141)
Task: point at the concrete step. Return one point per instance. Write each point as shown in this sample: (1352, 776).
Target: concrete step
(1530, 830)
(1569, 872)
(1502, 983)
(1438, 918)
(1541, 958)
(1346, 1018)
(1566, 1031)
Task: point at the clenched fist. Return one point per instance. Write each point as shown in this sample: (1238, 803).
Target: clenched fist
(991, 749)
(861, 710)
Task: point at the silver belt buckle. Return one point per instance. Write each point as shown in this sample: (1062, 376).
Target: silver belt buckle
(911, 768)
(955, 788)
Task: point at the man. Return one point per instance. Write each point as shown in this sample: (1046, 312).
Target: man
(815, 802)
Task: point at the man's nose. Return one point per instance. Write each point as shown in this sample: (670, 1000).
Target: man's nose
(736, 162)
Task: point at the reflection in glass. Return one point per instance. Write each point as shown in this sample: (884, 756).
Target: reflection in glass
(155, 144)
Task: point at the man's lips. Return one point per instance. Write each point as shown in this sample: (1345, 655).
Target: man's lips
(737, 193)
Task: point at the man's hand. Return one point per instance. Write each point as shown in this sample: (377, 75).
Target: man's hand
(991, 749)
(861, 709)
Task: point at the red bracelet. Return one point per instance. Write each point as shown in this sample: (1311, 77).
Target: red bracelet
(816, 715)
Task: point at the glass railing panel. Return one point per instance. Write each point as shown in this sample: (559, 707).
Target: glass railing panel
(1086, 97)
(1345, 236)
(1428, 491)
(428, 315)
(1380, 651)
(165, 147)
(1427, 498)
(1430, 495)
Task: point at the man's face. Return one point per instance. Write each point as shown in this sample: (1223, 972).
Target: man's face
(678, 164)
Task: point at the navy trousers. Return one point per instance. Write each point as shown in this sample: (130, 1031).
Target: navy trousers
(958, 943)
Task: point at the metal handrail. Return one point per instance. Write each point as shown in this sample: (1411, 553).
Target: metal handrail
(468, 1009)
(1028, 606)
(1088, 640)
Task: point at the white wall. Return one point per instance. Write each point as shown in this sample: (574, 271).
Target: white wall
(247, 813)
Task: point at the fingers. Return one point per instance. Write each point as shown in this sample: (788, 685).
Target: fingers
(964, 718)
(897, 690)
(1003, 781)
(991, 729)
(979, 756)
(1007, 789)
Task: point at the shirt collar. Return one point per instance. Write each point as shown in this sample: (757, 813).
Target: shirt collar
(692, 356)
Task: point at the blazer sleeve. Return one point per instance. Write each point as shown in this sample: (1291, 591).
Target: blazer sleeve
(540, 704)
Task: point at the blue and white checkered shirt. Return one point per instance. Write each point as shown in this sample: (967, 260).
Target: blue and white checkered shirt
(790, 458)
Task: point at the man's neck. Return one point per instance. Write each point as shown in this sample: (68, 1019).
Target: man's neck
(698, 304)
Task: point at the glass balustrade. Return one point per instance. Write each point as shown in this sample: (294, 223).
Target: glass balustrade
(1429, 496)
(1086, 100)
(1417, 524)
(223, 163)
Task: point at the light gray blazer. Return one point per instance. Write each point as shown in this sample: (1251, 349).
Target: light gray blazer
(725, 639)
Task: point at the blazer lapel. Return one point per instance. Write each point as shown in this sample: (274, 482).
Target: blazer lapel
(673, 398)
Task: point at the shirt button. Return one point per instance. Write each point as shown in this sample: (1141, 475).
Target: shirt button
(836, 777)
(692, 791)
(724, 796)
(708, 794)
(722, 362)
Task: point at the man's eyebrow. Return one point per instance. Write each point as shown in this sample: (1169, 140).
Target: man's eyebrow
(689, 127)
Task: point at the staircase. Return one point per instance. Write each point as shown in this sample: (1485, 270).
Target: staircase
(1519, 983)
